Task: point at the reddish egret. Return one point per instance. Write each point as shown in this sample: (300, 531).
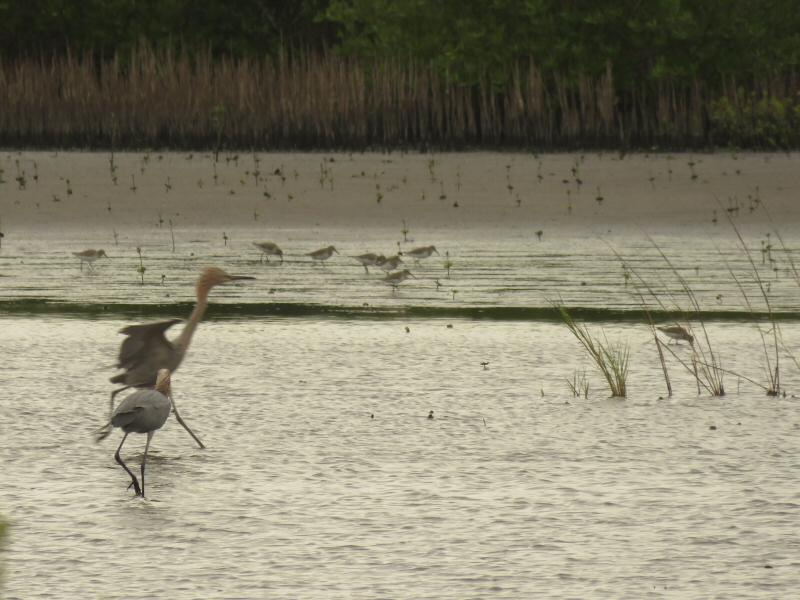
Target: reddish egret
(89, 256)
(369, 260)
(144, 411)
(421, 252)
(146, 350)
(268, 249)
(322, 254)
(677, 333)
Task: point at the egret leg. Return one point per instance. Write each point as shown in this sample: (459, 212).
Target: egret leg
(185, 426)
(366, 270)
(144, 459)
(118, 458)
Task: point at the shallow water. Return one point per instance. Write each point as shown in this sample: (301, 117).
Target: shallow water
(311, 385)
(301, 493)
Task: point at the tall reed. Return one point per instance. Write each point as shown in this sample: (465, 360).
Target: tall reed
(163, 97)
(706, 365)
(773, 373)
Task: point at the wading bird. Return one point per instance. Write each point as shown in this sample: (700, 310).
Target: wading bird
(89, 256)
(322, 254)
(391, 263)
(677, 333)
(268, 249)
(144, 411)
(421, 252)
(369, 260)
(395, 279)
(145, 350)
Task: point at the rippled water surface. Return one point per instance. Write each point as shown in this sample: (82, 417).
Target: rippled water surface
(311, 386)
(514, 489)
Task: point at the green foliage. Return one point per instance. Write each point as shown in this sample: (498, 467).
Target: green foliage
(244, 27)
(756, 121)
(655, 39)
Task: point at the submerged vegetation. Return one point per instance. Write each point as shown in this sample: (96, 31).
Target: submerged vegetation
(408, 73)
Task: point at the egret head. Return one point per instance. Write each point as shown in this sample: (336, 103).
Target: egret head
(101, 252)
(213, 276)
(332, 249)
(163, 382)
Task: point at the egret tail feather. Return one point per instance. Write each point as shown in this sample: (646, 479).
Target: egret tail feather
(103, 432)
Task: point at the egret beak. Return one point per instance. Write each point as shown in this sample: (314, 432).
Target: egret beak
(240, 277)
(437, 252)
(412, 275)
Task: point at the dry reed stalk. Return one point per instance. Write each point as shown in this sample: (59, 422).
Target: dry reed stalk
(166, 97)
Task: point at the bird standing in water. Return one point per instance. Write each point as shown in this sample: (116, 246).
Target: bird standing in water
(322, 254)
(89, 256)
(395, 279)
(144, 411)
(268, 249)
(145, 350)
(369, 260)
(677, 333)
(422, 252)
(391, 263)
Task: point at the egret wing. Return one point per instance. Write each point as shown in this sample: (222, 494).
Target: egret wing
(144, 341)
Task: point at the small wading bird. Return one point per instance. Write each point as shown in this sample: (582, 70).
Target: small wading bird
(146, 350)
(677, 333)
(391, 263)
(422, 252)
(322, 254)
(369, 260)
(395, 279)
(89, 256)
(268, 249)
(144, 411)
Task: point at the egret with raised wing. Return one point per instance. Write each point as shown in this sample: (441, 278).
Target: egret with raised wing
(145, 350)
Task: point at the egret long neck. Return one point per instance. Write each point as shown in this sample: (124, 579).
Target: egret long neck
(185, 338)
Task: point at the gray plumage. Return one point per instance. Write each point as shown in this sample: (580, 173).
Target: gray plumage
(144, 411)
(141, 412)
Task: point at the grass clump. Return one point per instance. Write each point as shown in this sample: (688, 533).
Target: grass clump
(611, 359)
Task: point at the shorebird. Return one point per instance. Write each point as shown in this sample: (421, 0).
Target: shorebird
(268, 249)
(145, 350)
(89, 256)
(144, 411)
(391, 263)
(322, 254)
(396, 278)
(369, 260)
(677, 333)
(422, 252)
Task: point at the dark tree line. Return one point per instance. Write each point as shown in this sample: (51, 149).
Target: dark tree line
(467, 39)
(708, 71)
